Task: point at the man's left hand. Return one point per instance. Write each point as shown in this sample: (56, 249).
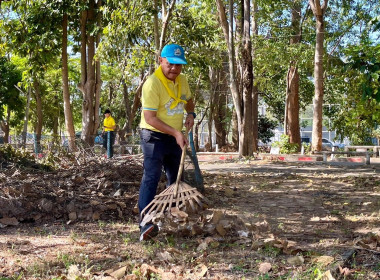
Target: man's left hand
(189, 122)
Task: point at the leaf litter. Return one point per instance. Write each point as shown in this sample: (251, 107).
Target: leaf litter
(263, 220)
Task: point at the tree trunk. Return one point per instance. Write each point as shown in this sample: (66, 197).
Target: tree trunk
(209, 128)
(26, 119)
(5, 126)
(235, 131)
(156, 32)
(219, 115)
(255, 90)
(69, 121)
(247, 81)
(38, 128)
(229, 38)
(292, 124)
(212, 103)
(318, 11)
(90, 83)
(196, 136)
(166, 14)
(131, 109)
(98, 82)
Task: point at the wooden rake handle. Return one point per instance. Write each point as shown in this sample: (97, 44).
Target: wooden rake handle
(181, 166)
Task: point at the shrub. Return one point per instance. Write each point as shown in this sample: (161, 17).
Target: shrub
(285, 146)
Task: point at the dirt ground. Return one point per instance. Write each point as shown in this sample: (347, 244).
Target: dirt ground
(265, 220)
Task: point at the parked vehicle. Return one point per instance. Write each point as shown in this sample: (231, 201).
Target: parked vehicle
(328, 145)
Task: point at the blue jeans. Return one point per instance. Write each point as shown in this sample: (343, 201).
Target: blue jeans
(160, 150)
(105, 141)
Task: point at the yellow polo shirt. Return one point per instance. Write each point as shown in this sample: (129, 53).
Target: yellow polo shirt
(108, 122)
(156, 98)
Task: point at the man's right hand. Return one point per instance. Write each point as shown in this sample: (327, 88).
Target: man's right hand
(181, 139)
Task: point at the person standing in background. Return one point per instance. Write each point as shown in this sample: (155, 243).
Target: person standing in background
(109, 126)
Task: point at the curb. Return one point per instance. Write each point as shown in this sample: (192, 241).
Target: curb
(219, 156)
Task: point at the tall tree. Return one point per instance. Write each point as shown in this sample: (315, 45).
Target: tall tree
(90, 83)
(242, 100)
(69, 121)
(291, 124)
(319, 13)
(10, 99)
(31, 36)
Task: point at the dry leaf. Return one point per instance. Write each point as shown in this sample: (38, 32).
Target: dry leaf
(220, 229)
(265, 267)
(119, 273)
(201, 271)
(203, 246)
(147, 270)
(164, 256)
(327, 276)
(345, 271)
(296, 260)
(216, 217)
(73, 272)
(168, 276)
(9, 221)
(178, 214)
(323, 260)
(228, 192)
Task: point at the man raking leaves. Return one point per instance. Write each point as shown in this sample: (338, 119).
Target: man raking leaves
(165, 96)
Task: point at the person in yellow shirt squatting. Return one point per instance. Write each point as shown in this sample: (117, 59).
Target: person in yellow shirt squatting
(109, 127)
(165, 96)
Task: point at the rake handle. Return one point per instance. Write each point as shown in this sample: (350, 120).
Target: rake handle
(181, 166)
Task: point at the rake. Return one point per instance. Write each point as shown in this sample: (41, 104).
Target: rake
(178, 195)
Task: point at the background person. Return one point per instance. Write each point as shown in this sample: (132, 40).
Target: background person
(165, 96)
(109, 127)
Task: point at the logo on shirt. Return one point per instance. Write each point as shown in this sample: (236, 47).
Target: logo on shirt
(176, 110)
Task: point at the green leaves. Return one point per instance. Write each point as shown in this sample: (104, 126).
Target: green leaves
(365, 59)
(9, 95)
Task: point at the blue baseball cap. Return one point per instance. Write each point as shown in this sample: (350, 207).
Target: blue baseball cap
(174, 54)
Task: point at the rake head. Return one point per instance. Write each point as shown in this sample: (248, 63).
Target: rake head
(186, 198)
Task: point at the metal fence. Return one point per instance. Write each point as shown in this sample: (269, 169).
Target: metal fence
(57, 144)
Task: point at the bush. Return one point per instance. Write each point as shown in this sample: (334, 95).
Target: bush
(285, 146)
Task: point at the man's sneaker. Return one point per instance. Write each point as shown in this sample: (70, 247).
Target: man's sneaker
(148, 232)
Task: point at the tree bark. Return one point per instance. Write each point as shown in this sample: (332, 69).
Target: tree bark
(292, 126)
(38, 128)
(90, 83)
(156, 32)
(318, 11)
(227, 28)
(219, 115)
(26, 119)
(69, 120)
(131, 107)
(4, 125)
(166, 14)
(247, 82)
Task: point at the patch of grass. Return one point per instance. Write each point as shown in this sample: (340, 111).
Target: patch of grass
(101, 224)
(270, 251)
(126, 238)
(15, 277)
(170, 240)
(66, 259)
(151, 247)
(266, 276)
